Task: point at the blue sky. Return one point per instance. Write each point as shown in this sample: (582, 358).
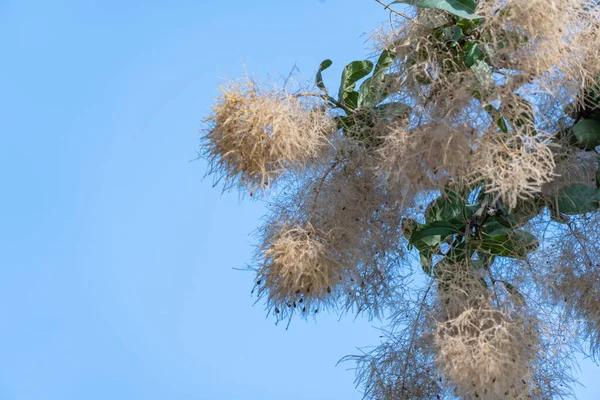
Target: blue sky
(117, 258)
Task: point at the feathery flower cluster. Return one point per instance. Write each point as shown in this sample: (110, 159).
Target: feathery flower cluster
(403, 367)
(538, 36)
(516, 166)
(299, 270)
(358, 223)
(440, 151)
(486, 353)
(482, 350)
(583, 301)
(255, 135)
(571, 266)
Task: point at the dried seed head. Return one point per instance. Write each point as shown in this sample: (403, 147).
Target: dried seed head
(536, 36)
(254, 136)
(297, 265)
(425, 158)
(486, 352)
(514, 165)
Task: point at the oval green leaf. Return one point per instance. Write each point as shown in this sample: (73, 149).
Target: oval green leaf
(587, 133)
(319, 79)
(352, 73)
(460, 8)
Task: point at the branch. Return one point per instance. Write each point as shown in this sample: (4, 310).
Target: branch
(387, 7)
(328, 98)
(320, 186)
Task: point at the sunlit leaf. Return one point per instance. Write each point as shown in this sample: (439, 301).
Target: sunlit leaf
(352, 73)
(319, 79)
(461, 8)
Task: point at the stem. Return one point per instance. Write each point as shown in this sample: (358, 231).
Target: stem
(328, 98)
(414, 332)
(387, 7)
(320, 186)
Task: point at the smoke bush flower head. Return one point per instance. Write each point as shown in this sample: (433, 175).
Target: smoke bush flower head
(486, 353)
(403, 366)
(572, 264)
(515, 166)
(535, 36)
(572, 167)
(355, 219)
(299, 270)
(255, 134)
(483, 351)
(583, 289)
(424, 158)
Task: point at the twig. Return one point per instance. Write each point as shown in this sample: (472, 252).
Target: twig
(320, 186)
(414, 332)
(328, 98)
(387, 7)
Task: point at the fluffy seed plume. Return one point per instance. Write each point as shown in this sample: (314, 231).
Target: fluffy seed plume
(254, 135)
(357, 222)
(516, 166)
(425, 158)
(483, 351)
(403, 367)
(298, 271)
(486, 354)
(572, 263)
(536, 36)
(463, 151)
(583, 301)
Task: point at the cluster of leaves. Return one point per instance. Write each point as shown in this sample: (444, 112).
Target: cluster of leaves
(365, 105)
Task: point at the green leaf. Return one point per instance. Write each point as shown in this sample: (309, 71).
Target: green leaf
(515, 244)
(385, 61)
(483, 74)
(502, 124)
(394, 109)
(371, 91)
(496, 116)
(577, 199)
(461, 8)
(408, 227)
(459, 252)
(465, 25)
(587, 133)
(425, 246)
(352, 73)
(525, 239)
(457, 33)
(351, 100)
(494, 227)
(319, 79)
(434, 229)
(426, 262)
(449, 206)
(472, 53)
(525, 210)
(344, 122)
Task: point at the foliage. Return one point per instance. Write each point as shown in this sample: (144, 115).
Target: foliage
(467, 147)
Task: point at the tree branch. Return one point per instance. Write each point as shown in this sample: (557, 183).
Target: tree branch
(387, 7)
(328, 98)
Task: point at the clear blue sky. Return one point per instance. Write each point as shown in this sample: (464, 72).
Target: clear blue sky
(116, 256)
